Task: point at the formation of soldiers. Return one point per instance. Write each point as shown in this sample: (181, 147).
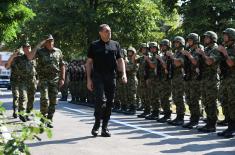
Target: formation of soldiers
(75, 83)
(182, 69)
(186, 71)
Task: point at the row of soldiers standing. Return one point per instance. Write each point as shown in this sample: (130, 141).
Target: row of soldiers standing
(187, 71)
(75, 83)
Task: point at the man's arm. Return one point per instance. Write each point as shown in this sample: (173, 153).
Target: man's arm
(229, 60)
(10, 60)
(34, 50)
(122, 69)
(89, 65)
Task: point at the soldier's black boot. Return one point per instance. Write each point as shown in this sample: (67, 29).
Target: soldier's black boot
(105, 132)
(178, 121)
(95, 129)
(192, 123)
(165, 118)
(209, 127)
(229, 132)
(153, 116)
(223, 122)
(14, 114)
(49, 124)
(22, 118)
(131, 110)
(145, 113)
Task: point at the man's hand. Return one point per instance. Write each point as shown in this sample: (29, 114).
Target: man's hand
(90, 85)
(199, 51)
(222, 50)
(168, 53)
(146, 57)
(61, 83)
(124, 78)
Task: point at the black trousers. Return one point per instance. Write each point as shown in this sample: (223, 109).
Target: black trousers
(104, 90)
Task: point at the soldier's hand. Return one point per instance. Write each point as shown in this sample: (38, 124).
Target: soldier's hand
(199, 51)
(124, 79)
(90, 85)
(168, 53)
(61, 83)
(15, 54)
(221, 49)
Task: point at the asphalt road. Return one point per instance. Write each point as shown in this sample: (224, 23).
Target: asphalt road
(130, 135)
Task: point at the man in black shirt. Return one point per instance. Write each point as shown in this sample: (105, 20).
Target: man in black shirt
(104, 58)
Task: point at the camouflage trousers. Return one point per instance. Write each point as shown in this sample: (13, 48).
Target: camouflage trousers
(209, 94)
(223, 97)
(15, 94)
(121, 94)
(159, 93)
(48, 91)
(193, 94)
(31, 90)
(23, 98)
(142, 93)
(229, 88)
(178, 93)
(74, 88)
(132, 91)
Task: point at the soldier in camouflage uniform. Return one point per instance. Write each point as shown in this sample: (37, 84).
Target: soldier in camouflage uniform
(192, 85)
(51, 74)
(25, 69)
(209, 80)
(177, 81)
(142, 77)
(155, 72)
(131, 71)
(14, 82)
(229, 81)
(164, 86)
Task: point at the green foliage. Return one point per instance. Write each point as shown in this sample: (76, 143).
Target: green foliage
(200, 16)
(14, 144)
(13, 14)
(74, 24)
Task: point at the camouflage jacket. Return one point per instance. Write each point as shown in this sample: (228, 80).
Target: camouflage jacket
(49, 63)
(23, 68)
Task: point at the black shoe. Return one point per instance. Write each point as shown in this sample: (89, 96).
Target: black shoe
(226, 133)
(14, 115)
(152, 116)
(95, 129)
(178, 121)
(207, 128)
(22, 118)
(222, 123)
(164, 119)
(49, 125)
(144, 114)
(27, 118)
(105, 133)
(190, 125)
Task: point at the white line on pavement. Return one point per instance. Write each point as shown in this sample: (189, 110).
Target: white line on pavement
(128, 125)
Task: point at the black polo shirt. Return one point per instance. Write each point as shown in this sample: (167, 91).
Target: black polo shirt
(104, 55)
